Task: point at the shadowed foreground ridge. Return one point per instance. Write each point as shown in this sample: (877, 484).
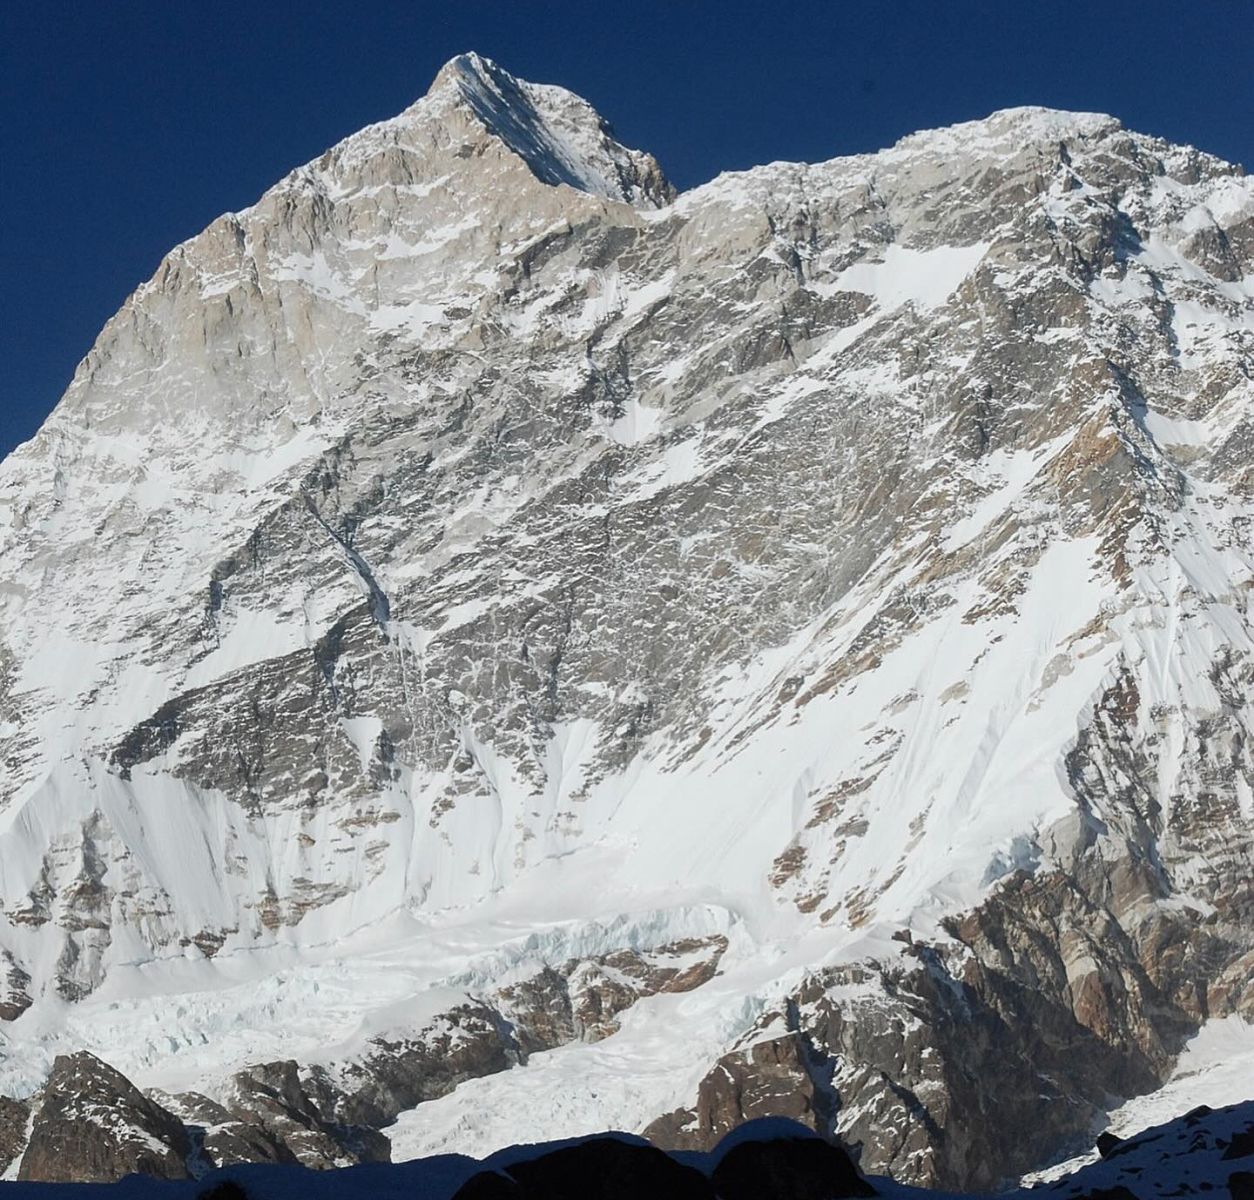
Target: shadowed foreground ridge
(1204, 1152)
(492, 650)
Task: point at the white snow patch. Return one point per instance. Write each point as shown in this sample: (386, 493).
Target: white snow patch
(924, 278)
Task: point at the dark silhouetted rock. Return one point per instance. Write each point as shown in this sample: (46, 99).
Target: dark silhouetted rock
(1241, 1185)
(490, 1185)
(607, 1169)
(788, 1169)
(1242, 1145)
(1107, 1143)
(228, 1189)
(92, 1125)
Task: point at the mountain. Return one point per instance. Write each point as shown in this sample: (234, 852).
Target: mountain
(493, 650)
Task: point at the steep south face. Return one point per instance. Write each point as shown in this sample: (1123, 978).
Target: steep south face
(474, 560)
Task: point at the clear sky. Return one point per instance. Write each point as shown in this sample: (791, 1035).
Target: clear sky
(128, 126)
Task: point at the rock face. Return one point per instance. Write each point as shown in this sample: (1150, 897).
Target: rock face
(219, 1137)
(14, 1115)
(773, 1078)
(92, 1125)
(274, 1097)
(531, 653)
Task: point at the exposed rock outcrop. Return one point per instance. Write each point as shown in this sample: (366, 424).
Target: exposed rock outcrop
(219, 1137)
(772, 1078)
(92, 1125)
(274, 1097)
(14, 1117)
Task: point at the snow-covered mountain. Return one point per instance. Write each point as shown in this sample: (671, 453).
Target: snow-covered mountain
(494, 650)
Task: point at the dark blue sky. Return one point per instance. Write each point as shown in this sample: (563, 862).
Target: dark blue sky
(128, 126)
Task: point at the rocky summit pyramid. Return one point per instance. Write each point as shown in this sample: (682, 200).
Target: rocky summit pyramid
(492, 649)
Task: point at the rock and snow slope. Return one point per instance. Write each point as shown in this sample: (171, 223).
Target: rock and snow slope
(474, 578)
